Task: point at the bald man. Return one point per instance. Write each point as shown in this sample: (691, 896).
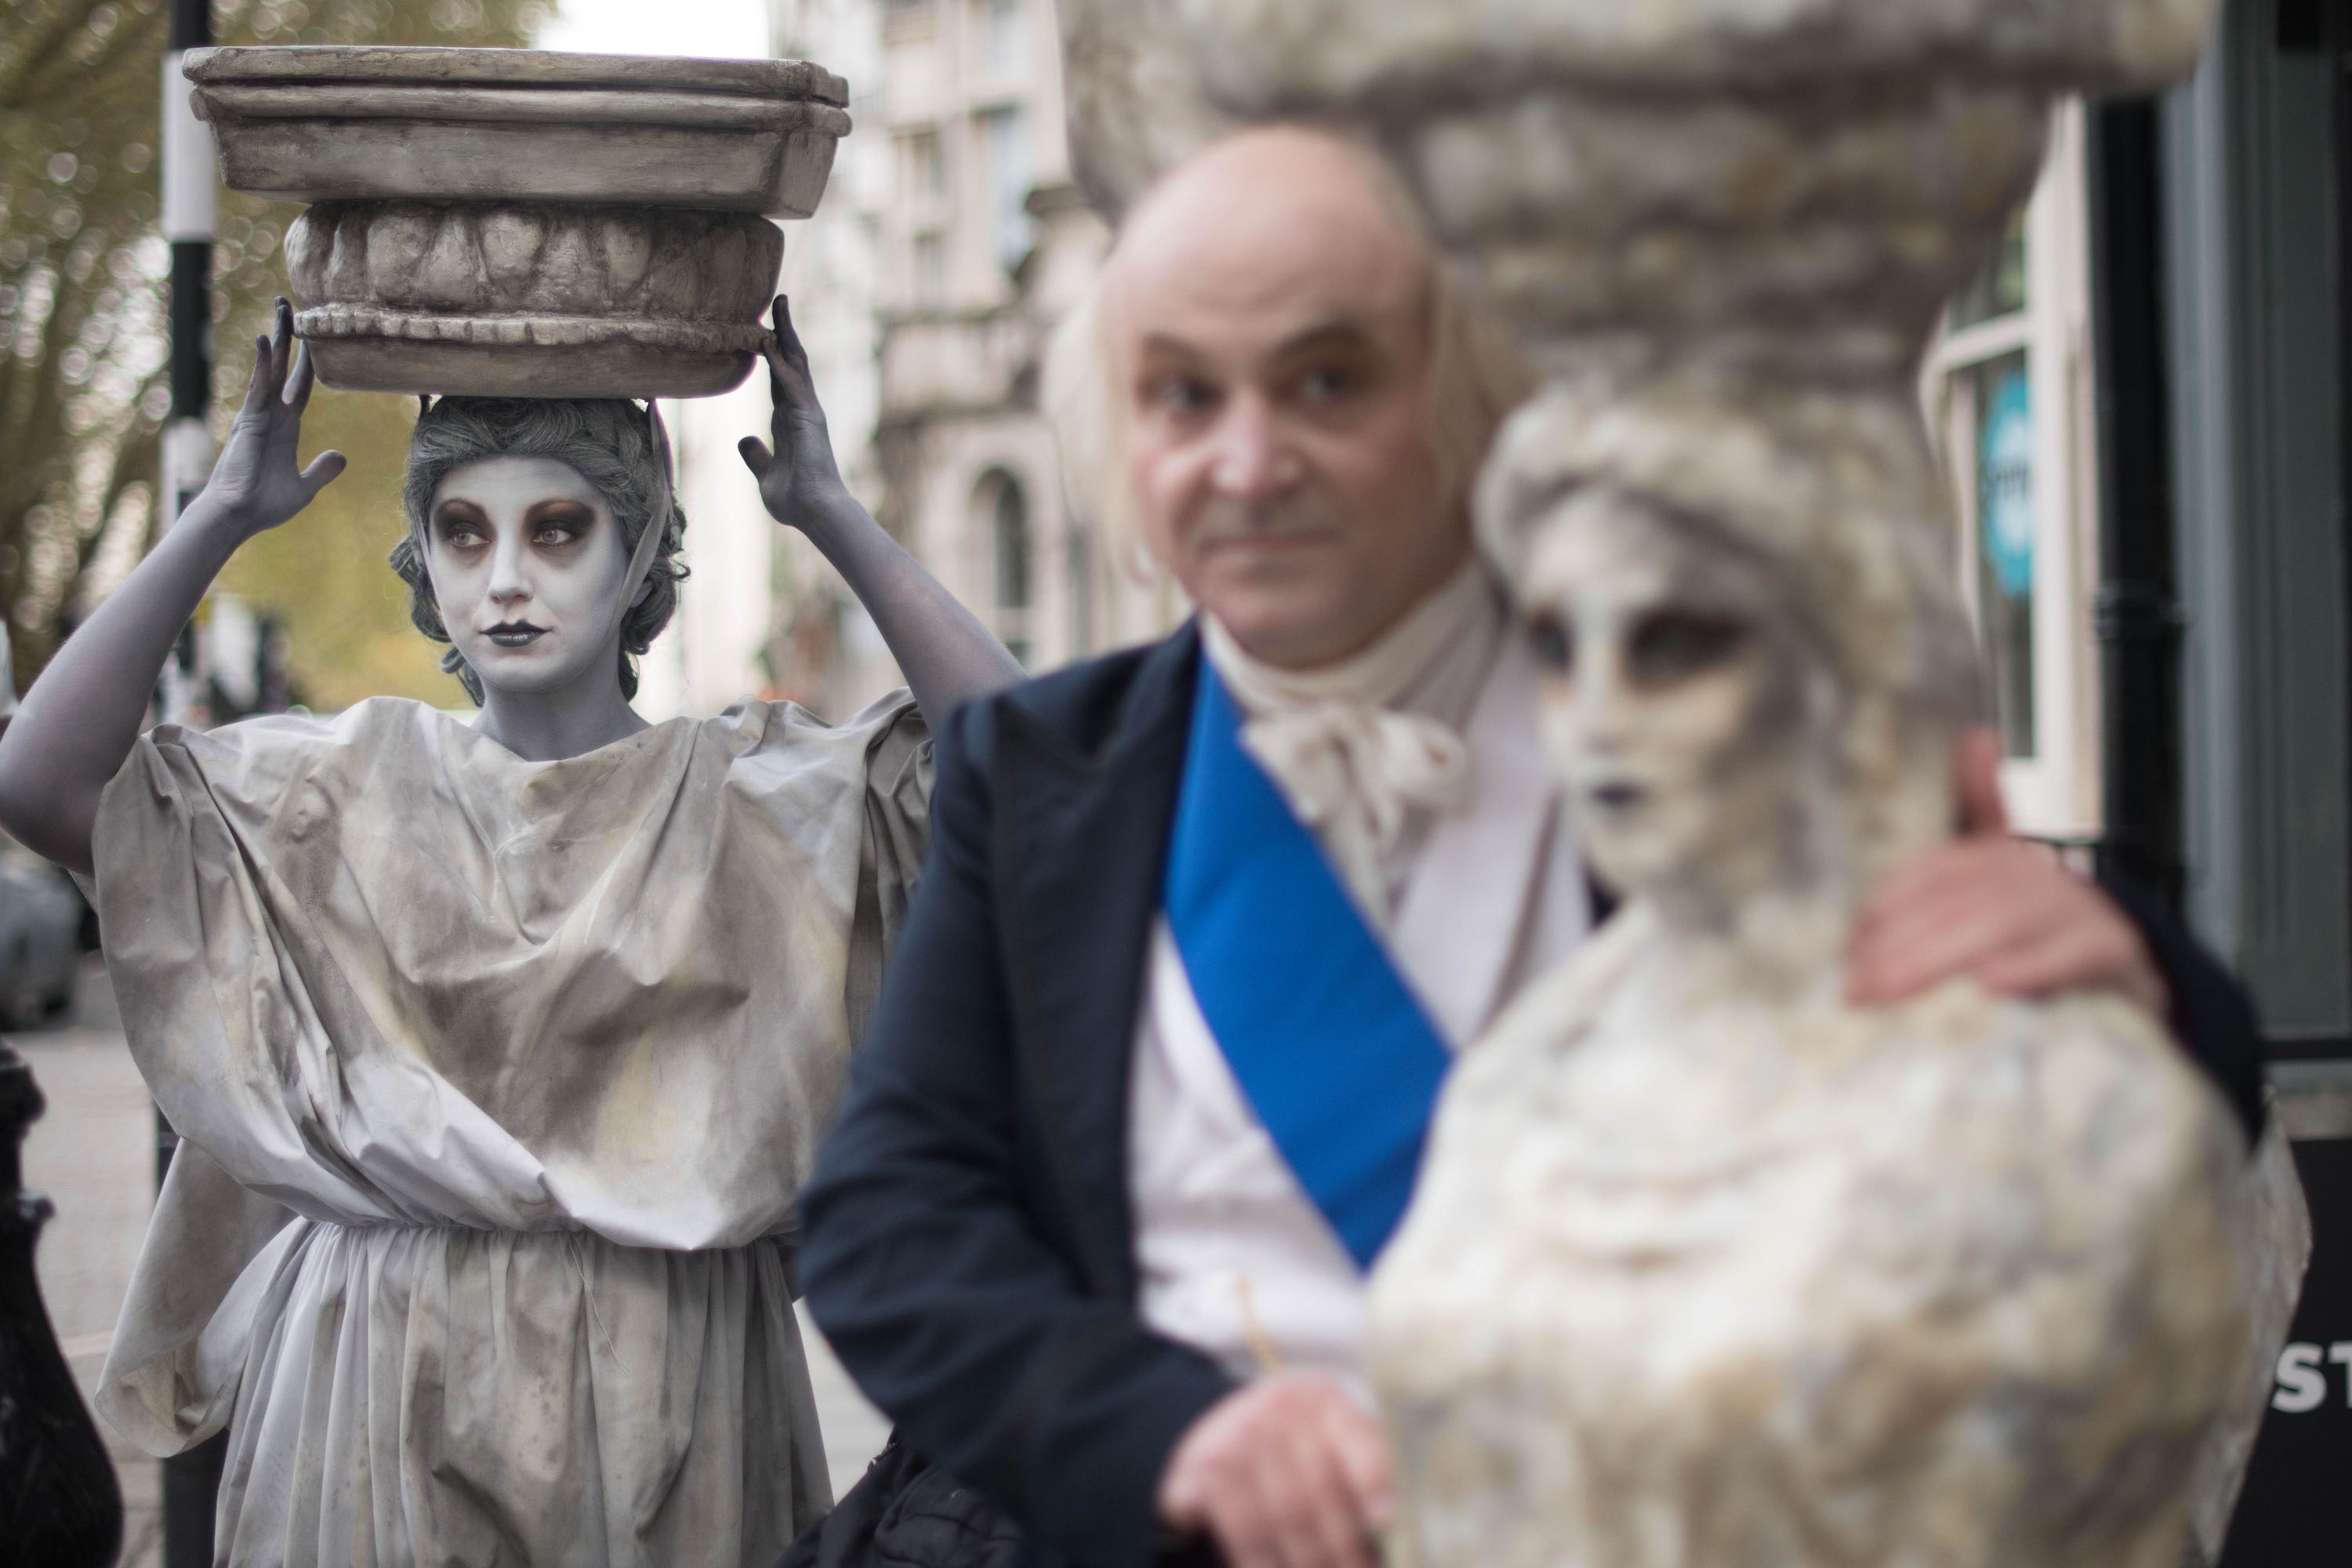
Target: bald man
(1203, 922)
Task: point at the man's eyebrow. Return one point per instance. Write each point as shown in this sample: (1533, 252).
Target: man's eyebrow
(1337, 331)
(1341, 331)
(1162, 343)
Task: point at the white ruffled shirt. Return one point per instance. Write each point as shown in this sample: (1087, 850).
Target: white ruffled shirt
(1416, 765)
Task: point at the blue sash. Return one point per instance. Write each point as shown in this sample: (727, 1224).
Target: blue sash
(1335, 1053)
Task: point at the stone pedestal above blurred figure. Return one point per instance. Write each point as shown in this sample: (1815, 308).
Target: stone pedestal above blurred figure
(1133, 96)
(1706, 1268)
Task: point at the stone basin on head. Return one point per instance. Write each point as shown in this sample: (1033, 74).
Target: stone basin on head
(516, 223)
(312, 123)
(530, 299)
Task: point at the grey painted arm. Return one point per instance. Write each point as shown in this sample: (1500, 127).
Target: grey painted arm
(946, 655)
(81, 718)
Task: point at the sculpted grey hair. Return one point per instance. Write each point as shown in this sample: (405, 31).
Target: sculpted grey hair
(608, 441)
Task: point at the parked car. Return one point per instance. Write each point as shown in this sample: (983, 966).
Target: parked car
(41, 928)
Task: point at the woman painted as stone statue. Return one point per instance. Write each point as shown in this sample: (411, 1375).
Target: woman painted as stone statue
(500, 1048)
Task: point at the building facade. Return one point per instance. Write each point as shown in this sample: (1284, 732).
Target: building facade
(949, 246)
(987, 246)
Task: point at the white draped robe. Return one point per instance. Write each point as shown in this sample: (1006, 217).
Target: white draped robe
(498, 1079)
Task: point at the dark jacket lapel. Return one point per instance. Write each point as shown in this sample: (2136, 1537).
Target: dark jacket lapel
(1085, 803)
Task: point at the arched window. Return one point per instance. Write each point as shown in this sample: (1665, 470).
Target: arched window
(1005, 507)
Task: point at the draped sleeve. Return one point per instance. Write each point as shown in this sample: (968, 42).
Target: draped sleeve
(898, 772)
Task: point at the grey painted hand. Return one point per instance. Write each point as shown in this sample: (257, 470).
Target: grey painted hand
(257, 482)
(946, 653)
(799, 482)
(82, 716)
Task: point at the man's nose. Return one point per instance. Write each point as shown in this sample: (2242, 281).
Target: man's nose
(1253, 461)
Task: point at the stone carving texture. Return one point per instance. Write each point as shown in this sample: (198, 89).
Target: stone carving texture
(507, 221)
(1708, 1269)
(560, 292)
(1133, 100)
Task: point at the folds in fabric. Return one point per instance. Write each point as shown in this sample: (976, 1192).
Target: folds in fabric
(384, 976)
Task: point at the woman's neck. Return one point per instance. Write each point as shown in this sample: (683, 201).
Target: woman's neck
(550, 726)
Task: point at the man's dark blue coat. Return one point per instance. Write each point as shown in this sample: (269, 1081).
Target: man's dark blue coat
(967, 1244)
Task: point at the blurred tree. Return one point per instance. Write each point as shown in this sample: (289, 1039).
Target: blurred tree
(82, 392)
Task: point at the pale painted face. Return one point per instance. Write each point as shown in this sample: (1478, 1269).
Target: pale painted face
(1271, 327)
(1676, 708)
(528, 565)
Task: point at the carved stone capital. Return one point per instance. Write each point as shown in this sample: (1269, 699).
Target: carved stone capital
(531, 300)
(517, 222)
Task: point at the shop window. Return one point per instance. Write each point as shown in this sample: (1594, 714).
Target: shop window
(2007, 396)
(1986, 389)
(2002, 288)
(2006, 542)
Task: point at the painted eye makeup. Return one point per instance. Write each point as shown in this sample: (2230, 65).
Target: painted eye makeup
(1554, 642)
(457, 529)
(1674, 644)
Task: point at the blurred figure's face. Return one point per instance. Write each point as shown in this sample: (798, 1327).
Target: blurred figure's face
(1269, 323)
(527, 566)
(1676, 707)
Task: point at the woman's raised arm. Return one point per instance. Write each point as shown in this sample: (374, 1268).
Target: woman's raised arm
(946, 655)
(81, 718)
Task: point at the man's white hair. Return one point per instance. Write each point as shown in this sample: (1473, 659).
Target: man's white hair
(1477, 379)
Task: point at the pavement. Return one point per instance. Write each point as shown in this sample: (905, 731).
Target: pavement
(94, 1154)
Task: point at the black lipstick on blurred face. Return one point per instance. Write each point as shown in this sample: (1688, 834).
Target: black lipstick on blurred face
(515, 634)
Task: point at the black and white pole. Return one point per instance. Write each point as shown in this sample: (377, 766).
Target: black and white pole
(191, 182)
(190, 188)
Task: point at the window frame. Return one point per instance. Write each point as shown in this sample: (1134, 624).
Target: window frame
(2056, 791)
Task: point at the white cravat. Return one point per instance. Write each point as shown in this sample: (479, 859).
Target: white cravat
(1350, 764)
